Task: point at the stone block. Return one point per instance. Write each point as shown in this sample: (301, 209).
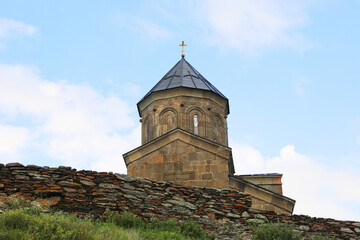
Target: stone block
(200, 168)
(159, 158)
(223, 168)
(174, 157)
(206, 176)
(191, 175)
(192, 156)
(214, 168)
(178, 166)
(169, 167)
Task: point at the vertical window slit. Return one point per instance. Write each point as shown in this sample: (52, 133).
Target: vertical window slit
(196, 124)
(148, 130)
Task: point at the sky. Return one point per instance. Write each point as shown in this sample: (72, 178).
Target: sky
(71, 73)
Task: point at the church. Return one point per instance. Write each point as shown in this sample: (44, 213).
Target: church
(184, 139)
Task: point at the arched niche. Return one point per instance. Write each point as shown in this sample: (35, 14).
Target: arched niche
(218, 129)
(195, 118)
(168, 120)
(147, 130)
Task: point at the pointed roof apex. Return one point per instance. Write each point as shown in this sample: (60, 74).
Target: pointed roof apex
(183, 75)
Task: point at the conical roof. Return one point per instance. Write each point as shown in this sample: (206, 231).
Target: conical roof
(183, 75)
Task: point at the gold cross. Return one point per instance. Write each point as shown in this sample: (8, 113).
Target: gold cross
(183, 50)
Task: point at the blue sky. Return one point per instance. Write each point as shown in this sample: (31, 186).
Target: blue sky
(71, 73)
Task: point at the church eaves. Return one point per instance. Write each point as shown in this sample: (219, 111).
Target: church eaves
(184, 75)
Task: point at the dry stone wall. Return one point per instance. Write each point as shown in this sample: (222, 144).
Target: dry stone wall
(223, 213)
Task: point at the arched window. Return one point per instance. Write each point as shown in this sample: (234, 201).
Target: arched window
(148, 130)
(196, 124)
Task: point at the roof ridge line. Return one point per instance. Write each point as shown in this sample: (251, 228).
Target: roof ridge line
(175, 78)
(182, 67)
(172, 77)
(191, 77)
(159, 81)
(208, 84)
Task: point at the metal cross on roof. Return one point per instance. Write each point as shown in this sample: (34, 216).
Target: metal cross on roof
(183, 50)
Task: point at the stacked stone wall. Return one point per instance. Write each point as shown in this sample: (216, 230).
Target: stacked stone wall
(225, 213)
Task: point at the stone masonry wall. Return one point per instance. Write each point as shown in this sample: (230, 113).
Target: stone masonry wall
(166, 110)
(223, 213)
(183, 164)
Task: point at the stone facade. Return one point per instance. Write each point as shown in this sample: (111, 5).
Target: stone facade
(270, 181)
(176, 108)
(263, 198)
(183, 158)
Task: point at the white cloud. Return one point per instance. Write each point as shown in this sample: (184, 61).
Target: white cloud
(12, 139)
(252, 25)
(251, 159)
(146, 28)
(319, 190)
(71, 123)
(10, 28)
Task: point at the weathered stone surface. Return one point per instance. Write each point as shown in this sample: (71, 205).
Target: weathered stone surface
(135, 193)
(231, 215)
(304, 228)
(35, 204)
(255, 221)
(245, 215)
(128, 186)
(110, 186)
(214, 209)
(357, 224)
(149, 163)
(38, 176)
(23, 177)
(346, 230)
(69, 184)
(183, 204)
(67, 189)
(167, 205)
(87, 183)
(130, 196)
(262, 217)
(15, 164)
(166, 110)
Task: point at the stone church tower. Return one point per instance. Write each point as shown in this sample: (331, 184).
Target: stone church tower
(184, 140)
(184, 131)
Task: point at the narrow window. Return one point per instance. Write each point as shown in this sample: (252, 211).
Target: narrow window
(196, 125)
(148, 130)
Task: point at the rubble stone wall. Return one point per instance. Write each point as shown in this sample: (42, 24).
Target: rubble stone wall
(222, 212)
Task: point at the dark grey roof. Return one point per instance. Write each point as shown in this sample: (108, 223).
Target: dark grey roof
(183, 75)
